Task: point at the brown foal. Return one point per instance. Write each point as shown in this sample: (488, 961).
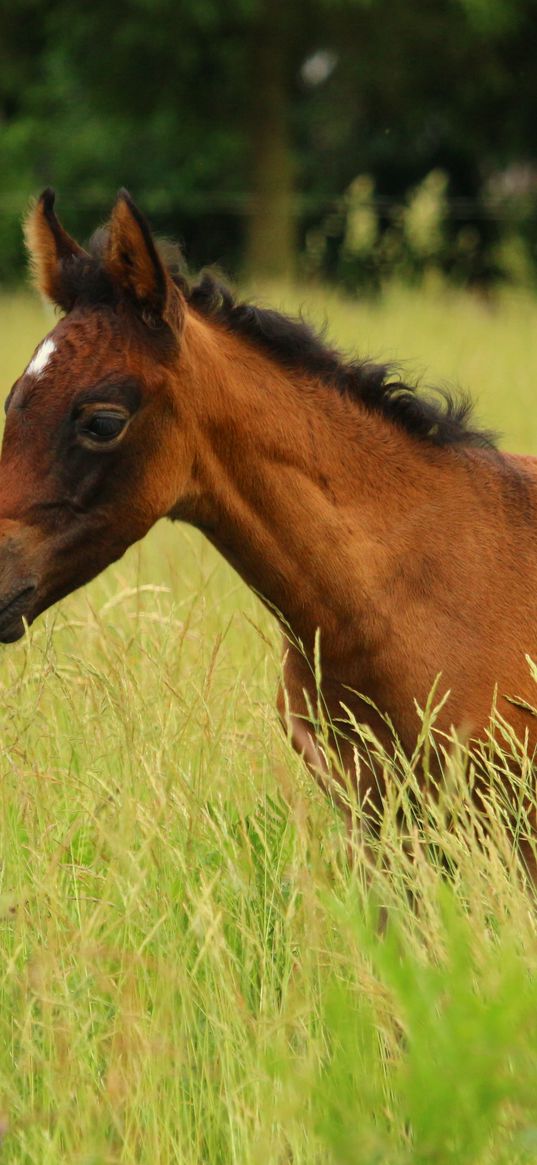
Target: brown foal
(377, 524)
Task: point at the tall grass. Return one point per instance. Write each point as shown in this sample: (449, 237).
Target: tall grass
(190, 969)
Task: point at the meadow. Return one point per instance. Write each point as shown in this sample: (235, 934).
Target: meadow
(190, 971)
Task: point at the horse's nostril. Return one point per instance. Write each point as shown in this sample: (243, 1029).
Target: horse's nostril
(13, 605)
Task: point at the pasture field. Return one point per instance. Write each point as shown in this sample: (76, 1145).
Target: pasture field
(189, 971)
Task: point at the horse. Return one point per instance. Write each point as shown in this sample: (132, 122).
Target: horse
(390, 537)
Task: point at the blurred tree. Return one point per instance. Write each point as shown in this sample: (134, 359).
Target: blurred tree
(449, 85)
(272, 223)
(220, 114)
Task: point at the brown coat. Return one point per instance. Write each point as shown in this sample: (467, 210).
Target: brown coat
(403, 554)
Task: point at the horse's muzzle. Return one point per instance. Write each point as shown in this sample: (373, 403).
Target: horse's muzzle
(13, 606)
(20, 575)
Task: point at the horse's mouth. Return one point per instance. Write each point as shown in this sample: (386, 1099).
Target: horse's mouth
(12, 608)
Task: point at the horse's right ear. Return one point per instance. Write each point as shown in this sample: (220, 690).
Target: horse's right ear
(49, 247)
(134, 264)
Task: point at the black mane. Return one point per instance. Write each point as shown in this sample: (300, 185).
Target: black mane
(441, 418)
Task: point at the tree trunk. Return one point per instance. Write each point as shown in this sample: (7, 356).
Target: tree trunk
(271, 237)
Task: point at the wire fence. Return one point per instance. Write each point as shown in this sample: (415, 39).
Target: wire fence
(245, 205)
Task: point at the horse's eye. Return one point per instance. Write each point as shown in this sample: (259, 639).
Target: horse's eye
(102, 426)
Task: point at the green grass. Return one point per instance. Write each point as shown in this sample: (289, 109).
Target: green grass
(189, 971)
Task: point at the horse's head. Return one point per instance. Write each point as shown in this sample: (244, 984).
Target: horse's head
(92, 452)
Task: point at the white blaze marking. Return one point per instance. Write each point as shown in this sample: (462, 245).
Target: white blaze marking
(39, 362)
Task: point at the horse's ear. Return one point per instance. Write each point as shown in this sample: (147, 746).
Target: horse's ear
(133, 263)
(49, 247)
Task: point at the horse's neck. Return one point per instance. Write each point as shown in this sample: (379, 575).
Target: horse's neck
(302, 490)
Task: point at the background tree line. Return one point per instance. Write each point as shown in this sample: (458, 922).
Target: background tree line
(335, 138)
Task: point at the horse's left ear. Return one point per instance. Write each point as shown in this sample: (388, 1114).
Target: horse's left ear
(134, 264)
(50, 248)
